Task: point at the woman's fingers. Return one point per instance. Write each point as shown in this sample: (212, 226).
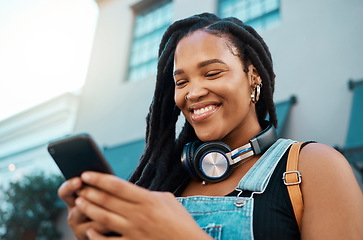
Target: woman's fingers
(109, 220)
(116, 186)
(76, 217)
(92, 234)
(80, 223)
(68, 189)
(107, 201)
(132, 211)
(94, 225)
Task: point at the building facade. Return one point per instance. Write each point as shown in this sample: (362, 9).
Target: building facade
(315, 48)
(315, 45)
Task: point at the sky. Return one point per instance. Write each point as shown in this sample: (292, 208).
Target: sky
(45, 47)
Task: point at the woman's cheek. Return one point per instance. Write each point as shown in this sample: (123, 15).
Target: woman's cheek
(179, 99)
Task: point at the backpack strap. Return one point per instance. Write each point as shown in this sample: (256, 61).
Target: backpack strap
(292, 179)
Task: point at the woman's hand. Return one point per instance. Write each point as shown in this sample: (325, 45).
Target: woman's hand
(78, 221)
(134, 212)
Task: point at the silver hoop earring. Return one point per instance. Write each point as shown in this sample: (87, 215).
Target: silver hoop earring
(255, 95)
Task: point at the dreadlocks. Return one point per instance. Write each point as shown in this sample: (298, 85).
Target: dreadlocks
(160, 167)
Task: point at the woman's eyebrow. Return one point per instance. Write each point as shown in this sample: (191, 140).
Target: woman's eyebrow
(178, 72)
(211, 61)
(201, 65)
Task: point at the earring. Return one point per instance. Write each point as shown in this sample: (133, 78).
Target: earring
(255, 95)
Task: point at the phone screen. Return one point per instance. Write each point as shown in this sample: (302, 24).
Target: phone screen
(76, 154)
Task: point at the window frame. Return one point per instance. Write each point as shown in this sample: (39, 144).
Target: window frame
(263, 21)
(145, 42)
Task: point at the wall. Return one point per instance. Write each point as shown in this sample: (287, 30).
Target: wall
(316, 49)
(24, 137)
(112, 109)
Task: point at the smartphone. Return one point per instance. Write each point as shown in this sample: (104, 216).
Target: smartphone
(76, 154)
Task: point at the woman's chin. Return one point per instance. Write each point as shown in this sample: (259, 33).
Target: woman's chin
(207, 137)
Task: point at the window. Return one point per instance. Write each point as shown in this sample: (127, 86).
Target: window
(150, 24)
(260, 14)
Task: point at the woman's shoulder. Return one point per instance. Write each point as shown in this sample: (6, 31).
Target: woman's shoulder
(331, 194)
(324, 166)
(318, 154)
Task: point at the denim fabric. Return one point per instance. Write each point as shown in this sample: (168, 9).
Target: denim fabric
(257, 178)
(232, 217)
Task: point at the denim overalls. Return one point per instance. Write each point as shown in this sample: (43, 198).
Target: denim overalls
(232, 217)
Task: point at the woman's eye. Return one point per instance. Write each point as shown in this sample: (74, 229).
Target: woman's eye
(213, 73)
(180, 82)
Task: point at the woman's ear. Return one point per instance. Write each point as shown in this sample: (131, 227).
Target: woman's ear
(253, 76)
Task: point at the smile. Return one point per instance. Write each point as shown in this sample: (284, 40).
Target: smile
(204, 110)
(202, 113)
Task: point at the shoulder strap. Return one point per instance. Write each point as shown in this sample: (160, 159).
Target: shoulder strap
(292, 179)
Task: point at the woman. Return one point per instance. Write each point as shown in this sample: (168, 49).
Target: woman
(219, 74)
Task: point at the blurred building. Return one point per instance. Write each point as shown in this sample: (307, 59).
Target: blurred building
(24, 137)
(316, 48)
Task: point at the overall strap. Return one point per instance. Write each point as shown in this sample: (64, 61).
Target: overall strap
(292, 179)
(258, 177)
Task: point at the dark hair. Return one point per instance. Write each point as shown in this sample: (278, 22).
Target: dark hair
(160, 167)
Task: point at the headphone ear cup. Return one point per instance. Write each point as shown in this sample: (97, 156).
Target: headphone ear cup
(188, 161)
(200, 155)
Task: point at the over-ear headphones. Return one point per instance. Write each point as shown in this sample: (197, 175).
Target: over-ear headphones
(213, 161)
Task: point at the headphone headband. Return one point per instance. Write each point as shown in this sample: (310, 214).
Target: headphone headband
(258, 144)
(262, 141)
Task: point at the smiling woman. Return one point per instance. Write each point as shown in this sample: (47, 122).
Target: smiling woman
(45, 47)
(221, 177)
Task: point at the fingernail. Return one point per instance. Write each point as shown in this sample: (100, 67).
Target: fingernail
(89, 233)
(86, 176)
(75, 182)
(78, 201)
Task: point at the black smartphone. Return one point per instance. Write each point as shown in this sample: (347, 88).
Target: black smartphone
(76, 154)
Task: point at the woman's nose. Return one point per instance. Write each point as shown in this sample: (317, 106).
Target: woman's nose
(196, 91)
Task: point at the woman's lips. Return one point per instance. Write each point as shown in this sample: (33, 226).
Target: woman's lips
(204, 112)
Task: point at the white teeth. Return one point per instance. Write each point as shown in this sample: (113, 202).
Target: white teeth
(203, 110)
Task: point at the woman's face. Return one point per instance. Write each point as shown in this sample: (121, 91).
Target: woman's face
(211, 88)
